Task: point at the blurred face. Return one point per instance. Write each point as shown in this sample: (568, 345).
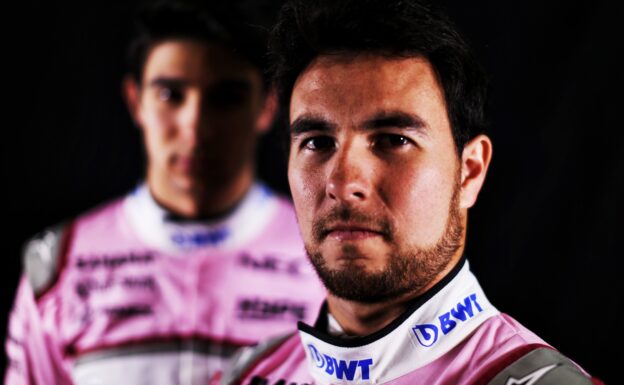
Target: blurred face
(374, 175)
(197, 105)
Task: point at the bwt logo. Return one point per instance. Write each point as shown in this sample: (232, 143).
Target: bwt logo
(427, 334)
(205, 238)
(340, 369)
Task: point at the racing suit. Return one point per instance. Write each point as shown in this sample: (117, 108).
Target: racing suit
(451, 335)
(130, 294)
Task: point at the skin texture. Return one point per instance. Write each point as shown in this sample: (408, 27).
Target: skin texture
(377, 184)
(200, 108)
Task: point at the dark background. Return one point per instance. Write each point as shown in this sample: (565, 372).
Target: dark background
(544, 238)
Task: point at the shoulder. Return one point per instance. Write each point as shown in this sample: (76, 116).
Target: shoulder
(284, 204)
(541, 366)
(498, 335)
(518, 356)
(101, 216)
(249, 358)
(44, 254)
(278, 224)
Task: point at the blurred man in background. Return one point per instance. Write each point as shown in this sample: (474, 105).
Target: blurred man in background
(162, 285)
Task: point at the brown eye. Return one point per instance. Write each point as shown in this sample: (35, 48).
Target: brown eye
(318, 143)
(391, 141)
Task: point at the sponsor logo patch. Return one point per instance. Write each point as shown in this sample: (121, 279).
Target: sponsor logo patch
(340, 369)
(531, 378)
(130, 311)
(85, 287)
(270, 309)
(428, 334)
(270, 263)
(93, 262)
(201, 238)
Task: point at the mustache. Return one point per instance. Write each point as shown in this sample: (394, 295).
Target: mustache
(345, 214)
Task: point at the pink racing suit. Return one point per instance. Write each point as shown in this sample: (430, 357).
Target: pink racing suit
(129, 294)
(451, 335)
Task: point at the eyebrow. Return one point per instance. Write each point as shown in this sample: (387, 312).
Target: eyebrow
(306, 123)
(225, 83)
(396, 119)
(383, 119)
(168, 82)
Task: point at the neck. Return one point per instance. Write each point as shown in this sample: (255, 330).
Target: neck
(363, 319)
(201, 200)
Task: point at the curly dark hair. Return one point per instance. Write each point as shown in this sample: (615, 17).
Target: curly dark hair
(307, 29)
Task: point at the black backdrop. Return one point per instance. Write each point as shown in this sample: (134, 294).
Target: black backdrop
(542, 238)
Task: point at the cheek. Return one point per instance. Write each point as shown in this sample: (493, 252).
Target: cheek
(307, 189)
(157, 133)
(230, 131)
(420, 199)
(153, 146)
(239, 118)
(158, 125)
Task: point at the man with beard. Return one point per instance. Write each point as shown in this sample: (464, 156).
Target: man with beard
(163, 285)
(385, 109)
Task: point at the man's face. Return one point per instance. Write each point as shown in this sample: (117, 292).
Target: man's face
(197, 104)
(374, 175)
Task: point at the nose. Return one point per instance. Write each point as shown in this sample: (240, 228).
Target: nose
(350, 176)
(192, 121)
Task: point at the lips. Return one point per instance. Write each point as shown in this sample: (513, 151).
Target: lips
(351, 232)
(189, 163)
(345, 223)
(186, 164)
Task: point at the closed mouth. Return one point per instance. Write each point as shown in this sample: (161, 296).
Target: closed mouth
(351, 232)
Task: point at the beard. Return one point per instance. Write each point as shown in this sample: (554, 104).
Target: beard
(409, 269)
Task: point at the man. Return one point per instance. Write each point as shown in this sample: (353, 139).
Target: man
(385, 106)
(161, 286)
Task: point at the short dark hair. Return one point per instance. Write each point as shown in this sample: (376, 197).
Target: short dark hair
(307, 29)
(242, 26)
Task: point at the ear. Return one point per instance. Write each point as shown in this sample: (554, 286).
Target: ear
(474, 165)
(132, 95)
(267, 115)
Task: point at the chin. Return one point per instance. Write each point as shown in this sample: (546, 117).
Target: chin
(348, 255)
(187, 185)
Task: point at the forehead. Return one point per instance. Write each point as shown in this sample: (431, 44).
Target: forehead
(358, 86)
(195, 60)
